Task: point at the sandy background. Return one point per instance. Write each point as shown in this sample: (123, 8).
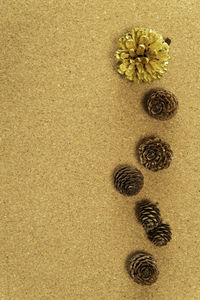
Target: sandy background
(67, 119)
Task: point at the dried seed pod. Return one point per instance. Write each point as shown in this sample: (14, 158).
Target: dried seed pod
(155, 154)
(162, 104)
(142, 56)
(161, 235)
(143, 268)
(148, 214)
(128, 180)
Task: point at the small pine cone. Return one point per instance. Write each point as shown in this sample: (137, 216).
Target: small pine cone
(142, 55)
(162, 104)
(161, 235)
(148, 214)
(155, 154)
(143, 268)
(128, 180)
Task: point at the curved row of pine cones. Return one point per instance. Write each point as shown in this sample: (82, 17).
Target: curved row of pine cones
(143, 56)
(129, 181)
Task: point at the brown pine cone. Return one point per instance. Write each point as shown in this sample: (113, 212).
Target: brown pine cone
(162, 104)
(161, 235)
(155, 154)
(148, 214)
(143, 268)
(128, 180)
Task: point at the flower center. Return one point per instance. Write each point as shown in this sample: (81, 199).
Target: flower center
(151, 155)
(157, 108)
(146, 272)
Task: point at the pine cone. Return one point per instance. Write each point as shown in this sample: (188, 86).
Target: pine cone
(143, 268)
(155, 154)
(142, 56)
(148, 214)
(161, 235)
(128, 180)
(162, 104)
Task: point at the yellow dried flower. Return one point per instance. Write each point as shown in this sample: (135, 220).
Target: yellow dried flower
(142, 56)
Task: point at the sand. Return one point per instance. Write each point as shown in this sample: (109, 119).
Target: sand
(67, 119)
